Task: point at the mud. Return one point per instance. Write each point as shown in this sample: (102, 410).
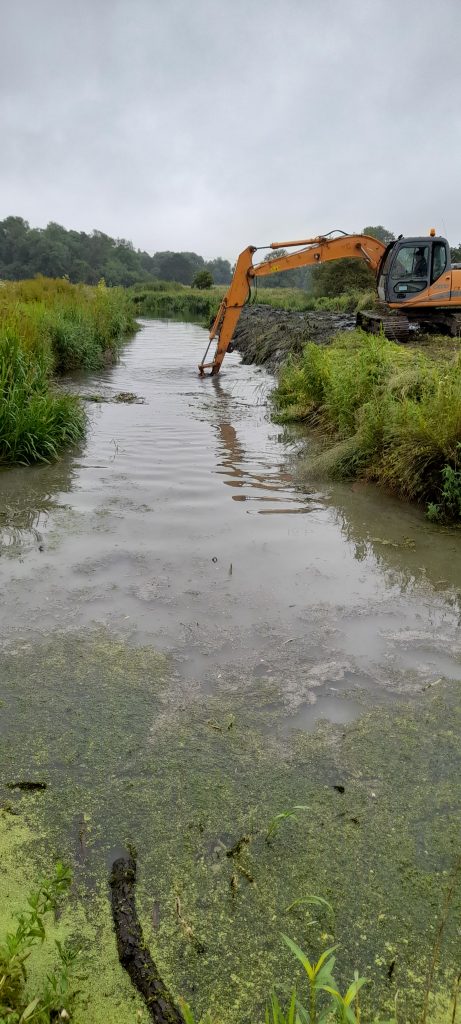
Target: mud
(266, 336)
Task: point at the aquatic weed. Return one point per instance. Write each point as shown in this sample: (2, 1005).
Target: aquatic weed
(56, 995)
(277, 820)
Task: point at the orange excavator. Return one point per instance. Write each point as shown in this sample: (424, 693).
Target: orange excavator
(416, 283)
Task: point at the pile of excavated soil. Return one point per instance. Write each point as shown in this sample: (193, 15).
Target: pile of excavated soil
(266, 336)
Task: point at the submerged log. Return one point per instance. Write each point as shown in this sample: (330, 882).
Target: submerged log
(132, 951)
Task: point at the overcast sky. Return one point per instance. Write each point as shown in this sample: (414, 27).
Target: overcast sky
(207, 125)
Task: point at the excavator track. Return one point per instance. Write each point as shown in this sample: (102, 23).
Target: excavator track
(396, 328)
(449, 324)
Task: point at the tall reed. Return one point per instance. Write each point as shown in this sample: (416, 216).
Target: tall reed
(49, 327)
(385, 412)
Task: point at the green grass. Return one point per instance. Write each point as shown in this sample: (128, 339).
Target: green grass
(168, 299)
(385, 412)
(300, 301)
(49, 327)
(165, 299)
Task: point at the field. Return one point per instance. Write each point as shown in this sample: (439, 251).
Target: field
(49, 327)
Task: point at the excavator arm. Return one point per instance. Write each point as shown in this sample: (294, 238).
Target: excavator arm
(318, 250)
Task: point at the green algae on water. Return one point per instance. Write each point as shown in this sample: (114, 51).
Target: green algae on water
(128, 757)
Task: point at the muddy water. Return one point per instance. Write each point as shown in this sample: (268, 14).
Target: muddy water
(191, 645)
(178, 524)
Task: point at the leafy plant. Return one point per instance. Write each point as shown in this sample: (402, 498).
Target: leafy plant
(449, 506)
(345, 1014)
(319, 976)
(189, 1017)
(18, 945)
(276, 821)
(275, 1014)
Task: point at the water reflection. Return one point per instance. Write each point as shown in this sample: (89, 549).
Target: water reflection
(242, 471)
(409, 549)
(380, 528)
(140, 530)
(28, 496)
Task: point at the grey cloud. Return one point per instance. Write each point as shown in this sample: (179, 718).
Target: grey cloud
(209, 125)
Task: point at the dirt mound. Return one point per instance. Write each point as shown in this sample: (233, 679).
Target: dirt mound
(267, 336)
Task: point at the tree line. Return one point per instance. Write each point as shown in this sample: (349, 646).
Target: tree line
(330, 279)
(87, 257)
(56, 252)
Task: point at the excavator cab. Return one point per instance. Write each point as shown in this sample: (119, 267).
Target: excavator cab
(410, 265)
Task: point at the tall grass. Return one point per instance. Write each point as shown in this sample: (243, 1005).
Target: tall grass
(168, 299)
(49, 327)
(387, 413)
(300, 301)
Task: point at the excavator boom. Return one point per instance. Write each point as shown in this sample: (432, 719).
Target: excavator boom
(317, 250)
(415, 279)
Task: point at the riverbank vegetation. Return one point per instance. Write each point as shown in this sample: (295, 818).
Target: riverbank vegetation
(296, 300)
(169, 299)
(50, 327)
(54, 997)
(86, 257)
(386, 413)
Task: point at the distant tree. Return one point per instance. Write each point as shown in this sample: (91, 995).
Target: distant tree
(220, 270)
(51, 257)
(174, 266)
(348, 275)
(14, 248)
(81, 271)
(196, 262)
(202, 280)
(341, 276)
(56, 252)
(379, 232)
(276, 279)
(296, 278)
(456, 253)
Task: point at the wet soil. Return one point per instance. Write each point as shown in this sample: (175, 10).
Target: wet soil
(191, 646)
(266, 336)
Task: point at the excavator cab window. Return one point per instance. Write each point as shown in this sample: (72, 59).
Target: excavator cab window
(439, 260)
(409, 271)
